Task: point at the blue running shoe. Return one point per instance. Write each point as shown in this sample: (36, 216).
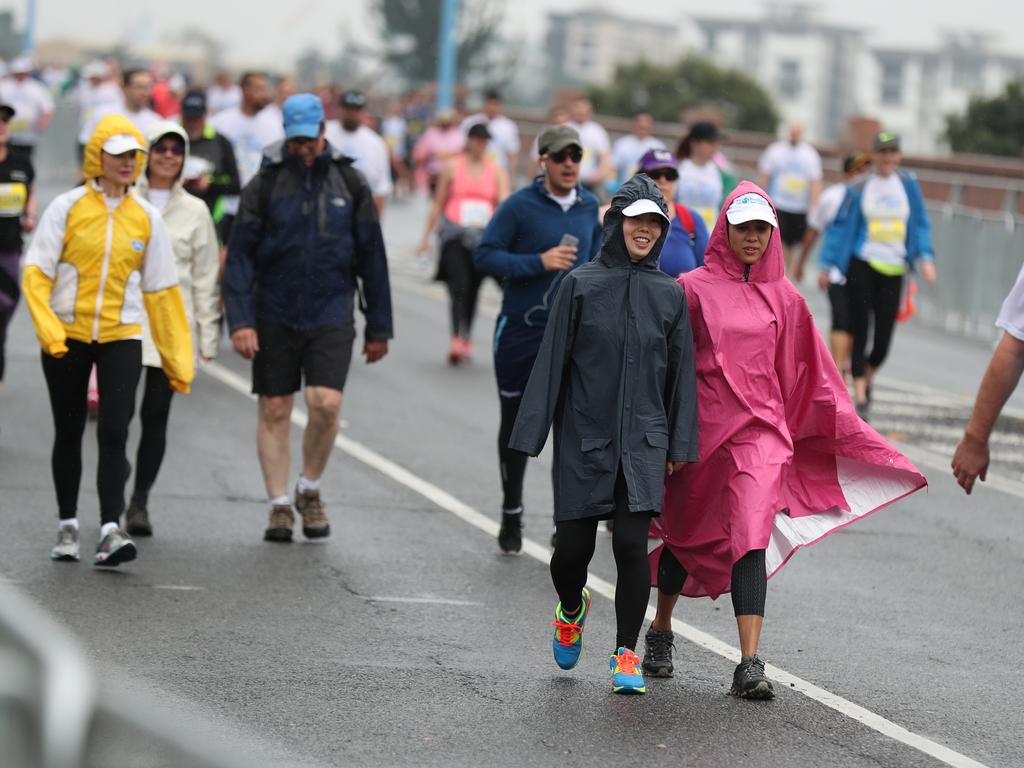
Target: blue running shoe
(568, 641)
(626, 677)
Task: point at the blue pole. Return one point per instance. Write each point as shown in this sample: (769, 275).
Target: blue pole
(28, 42)
(447, 55)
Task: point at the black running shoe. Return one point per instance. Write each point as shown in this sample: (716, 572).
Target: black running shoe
(749, 680)
(510, 537)
(658, 647)
(137, 520)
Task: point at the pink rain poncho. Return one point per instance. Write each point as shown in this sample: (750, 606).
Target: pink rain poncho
(784, 460)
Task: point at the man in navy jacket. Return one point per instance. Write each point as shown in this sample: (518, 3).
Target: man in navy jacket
(537, 235)
(306, 231)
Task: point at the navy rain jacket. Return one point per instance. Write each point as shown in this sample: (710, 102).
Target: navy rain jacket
(615, 374)
(298, 267)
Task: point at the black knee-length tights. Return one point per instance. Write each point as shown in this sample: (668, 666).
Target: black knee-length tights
(749, 580)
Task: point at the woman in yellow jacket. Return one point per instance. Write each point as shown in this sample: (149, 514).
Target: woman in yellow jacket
(101, 257)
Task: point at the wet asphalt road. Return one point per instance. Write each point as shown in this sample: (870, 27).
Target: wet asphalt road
(406, 640)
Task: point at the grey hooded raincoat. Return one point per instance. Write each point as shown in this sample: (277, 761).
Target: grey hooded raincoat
(615, 374)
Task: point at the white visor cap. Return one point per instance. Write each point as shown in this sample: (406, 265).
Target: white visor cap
(751, 207)
(642, 206)
(120, 143)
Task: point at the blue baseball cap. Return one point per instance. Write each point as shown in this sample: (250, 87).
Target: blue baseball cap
(303, 114)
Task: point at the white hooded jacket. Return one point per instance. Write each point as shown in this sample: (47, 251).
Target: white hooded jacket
(196, 254)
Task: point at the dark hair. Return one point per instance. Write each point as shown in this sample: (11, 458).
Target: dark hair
(243, 81)
(492, 94)
(855, 162)
(478, 131)
(702, 131)
(126, 78)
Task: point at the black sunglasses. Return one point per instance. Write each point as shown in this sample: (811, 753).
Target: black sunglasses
(663, 173)
(572, 153)
(175, 149)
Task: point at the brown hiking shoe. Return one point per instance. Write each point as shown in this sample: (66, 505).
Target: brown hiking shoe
(315, 524)
(281, 522)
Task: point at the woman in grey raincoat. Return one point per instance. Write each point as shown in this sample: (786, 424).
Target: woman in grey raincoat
(615, 375)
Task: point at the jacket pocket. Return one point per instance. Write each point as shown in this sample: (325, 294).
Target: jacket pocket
(65, 292)
(597, 455)
(131, 307)
(657, 439)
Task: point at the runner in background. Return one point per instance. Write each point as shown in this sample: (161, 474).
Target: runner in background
(596, 169)
(830, 279)
(703, 184)
(471, 187)
(249, 127)
(537, 235)
(504, 145)
(223, 93)
(791, 172)
(687, 238)
(439, 143)
(395, 132)
(355, 139)
(97, 95)
(627, 150)
(210, 171)
(17, 216)
(880, 233)
(137, 94)
(197, 258)
(32, 105)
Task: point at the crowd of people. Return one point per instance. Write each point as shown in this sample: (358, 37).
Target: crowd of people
(660, 336)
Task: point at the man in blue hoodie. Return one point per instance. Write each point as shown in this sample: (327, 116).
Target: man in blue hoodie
(537, 235)
(307, 230)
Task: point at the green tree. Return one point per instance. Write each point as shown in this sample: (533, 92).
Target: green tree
(990, 126)
(667, 90)
(410, 29)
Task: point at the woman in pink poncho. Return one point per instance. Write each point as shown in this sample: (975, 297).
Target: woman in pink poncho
(784, 460)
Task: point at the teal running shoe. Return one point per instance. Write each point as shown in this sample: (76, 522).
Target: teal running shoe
(568, 640)
(626, 676)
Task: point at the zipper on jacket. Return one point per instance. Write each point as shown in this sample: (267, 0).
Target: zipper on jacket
(746, 273)
(103, 277)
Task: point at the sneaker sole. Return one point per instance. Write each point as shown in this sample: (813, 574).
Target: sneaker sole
(510, 552)
(65, 558)
(658, 672)
(628, 690)
(760, 692)
(278, 535)
(316, 533)
(135, 530)
(125, 554)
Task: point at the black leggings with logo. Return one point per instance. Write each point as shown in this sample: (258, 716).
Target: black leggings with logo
(118, 365)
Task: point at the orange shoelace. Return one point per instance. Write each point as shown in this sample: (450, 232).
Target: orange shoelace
(567, 631)
(627, 661)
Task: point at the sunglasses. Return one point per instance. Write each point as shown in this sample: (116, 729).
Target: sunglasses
(175, 149)
(670, 174)
(569, 153)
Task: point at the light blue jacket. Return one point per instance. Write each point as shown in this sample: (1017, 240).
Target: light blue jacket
(845, 236)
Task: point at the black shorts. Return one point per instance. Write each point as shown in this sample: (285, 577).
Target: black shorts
(515, 349)
(286, 355)
(792, 227)
(839, 298)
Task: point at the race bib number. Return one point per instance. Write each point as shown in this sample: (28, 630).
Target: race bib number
(20, 126)
(474, 214)
(13, 197)
(888, 231)
(792, 185)
(709, 215)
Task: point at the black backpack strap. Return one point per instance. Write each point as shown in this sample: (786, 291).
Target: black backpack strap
(268, 176)
(355, 184)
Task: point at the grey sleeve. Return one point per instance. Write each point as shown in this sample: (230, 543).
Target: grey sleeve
(681, 390)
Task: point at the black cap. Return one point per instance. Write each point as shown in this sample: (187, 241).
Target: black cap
(886, 140)
(478, 131)
(353, 99)
(6, 111)
(704, 131)
(193, 104)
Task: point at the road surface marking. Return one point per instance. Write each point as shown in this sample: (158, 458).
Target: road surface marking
(423, 600)
(466, 513)
(179, 587)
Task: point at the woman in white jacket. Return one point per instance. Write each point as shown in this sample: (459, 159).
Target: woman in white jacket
(197, 256)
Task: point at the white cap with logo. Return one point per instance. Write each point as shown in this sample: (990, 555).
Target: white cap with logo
(641, 206)
(120, 143)
(751, 207)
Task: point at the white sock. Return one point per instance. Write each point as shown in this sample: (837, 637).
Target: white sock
(107, 528)
(71, 522)
(305, 486)
(280, 501)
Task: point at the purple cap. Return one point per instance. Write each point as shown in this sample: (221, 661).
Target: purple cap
(657, 158)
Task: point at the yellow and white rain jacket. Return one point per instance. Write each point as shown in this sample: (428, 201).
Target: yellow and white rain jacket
(92, 270)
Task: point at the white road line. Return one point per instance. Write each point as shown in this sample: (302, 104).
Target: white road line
(420, 600)
(179, 587)
(466, 513)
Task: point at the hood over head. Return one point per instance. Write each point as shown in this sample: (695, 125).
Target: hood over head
(109, 125)
(720, 259)
(613, 245)
(160, 129)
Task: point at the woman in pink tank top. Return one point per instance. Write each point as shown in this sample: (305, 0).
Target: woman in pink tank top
(468, 191)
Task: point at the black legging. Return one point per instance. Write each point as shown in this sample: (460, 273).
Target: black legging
(512, 463)
(463, 285)
(749, 581)
(9, 295)
(574, 547)
(154, 413)
(118, 365)
(872, 296)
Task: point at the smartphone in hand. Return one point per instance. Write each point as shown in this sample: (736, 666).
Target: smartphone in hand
(569, 240)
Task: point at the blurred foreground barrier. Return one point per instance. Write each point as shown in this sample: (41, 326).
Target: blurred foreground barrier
(52, 715)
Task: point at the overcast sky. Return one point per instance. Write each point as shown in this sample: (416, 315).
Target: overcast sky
(272, 34)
